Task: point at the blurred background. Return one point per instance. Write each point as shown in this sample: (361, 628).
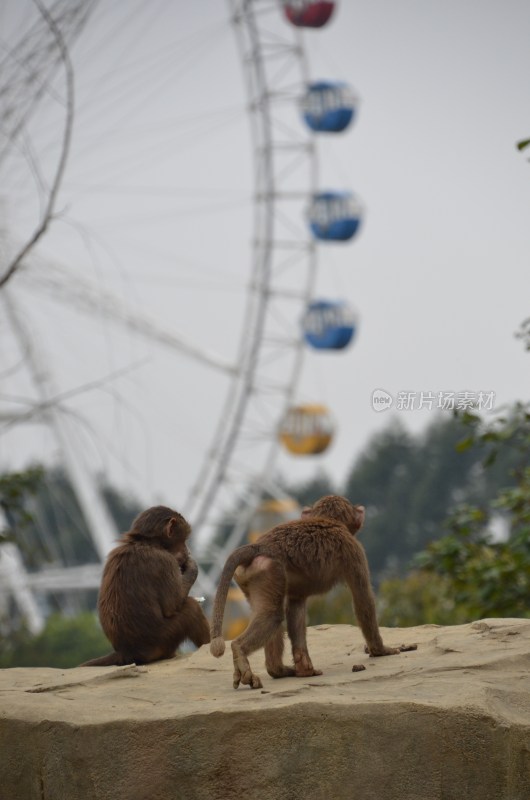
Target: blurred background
(252, 253)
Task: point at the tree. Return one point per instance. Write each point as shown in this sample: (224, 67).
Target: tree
(381, 479)
(307, 493)
(485, 575)
(522, 144)
(56, 530)
(122, 507)
(15, 488)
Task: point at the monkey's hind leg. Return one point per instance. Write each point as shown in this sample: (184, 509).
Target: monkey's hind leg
(242, 669)
(274, 657)
(264, 584)
(296, 628)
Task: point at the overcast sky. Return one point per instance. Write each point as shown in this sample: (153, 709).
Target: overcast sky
(156, 206)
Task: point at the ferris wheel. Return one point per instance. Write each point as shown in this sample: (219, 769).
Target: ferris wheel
(279, 316)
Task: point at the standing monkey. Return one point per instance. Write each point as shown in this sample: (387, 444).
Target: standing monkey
(280, 571)
(143, 601)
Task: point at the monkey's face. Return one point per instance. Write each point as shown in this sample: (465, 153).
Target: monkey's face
(182, 556)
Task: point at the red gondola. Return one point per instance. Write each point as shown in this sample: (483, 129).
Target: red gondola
(307, 13)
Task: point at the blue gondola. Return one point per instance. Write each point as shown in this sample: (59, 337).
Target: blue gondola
(328, 106)
(308, 13)
(329, 325)
(334, 216)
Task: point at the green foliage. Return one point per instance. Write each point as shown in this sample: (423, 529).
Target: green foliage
(64, 642)
(524, 333)
(333, 608)
(418, 599)
(489, 577)
(14, 490)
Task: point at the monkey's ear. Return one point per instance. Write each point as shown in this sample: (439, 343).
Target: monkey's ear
(360, 513)
(175, 529)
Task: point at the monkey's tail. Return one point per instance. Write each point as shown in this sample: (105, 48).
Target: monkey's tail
(242, 556)
(110, 660)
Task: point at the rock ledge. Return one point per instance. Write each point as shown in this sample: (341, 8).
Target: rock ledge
(450, 721)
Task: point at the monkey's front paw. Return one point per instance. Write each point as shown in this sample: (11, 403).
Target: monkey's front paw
(389, 651)
(247, 678)
(377, 652)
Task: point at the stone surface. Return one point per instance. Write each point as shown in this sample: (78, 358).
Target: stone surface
(450, 721)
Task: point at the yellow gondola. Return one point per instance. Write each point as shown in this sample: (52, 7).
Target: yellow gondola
(307, 429)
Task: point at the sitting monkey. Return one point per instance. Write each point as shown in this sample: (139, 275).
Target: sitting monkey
(143, 601)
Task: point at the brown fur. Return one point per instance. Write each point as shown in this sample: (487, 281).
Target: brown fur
(143, 601)
(288, 564)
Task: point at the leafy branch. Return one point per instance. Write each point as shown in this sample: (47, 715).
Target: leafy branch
(487, 575)
(14, 488)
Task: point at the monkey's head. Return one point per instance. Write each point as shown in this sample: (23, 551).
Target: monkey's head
(161, 525)
(339, 509)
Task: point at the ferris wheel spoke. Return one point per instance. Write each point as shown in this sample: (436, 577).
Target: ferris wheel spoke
(28, 66)
(91, 299)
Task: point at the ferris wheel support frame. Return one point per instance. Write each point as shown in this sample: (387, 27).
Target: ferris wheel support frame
(102, 528)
